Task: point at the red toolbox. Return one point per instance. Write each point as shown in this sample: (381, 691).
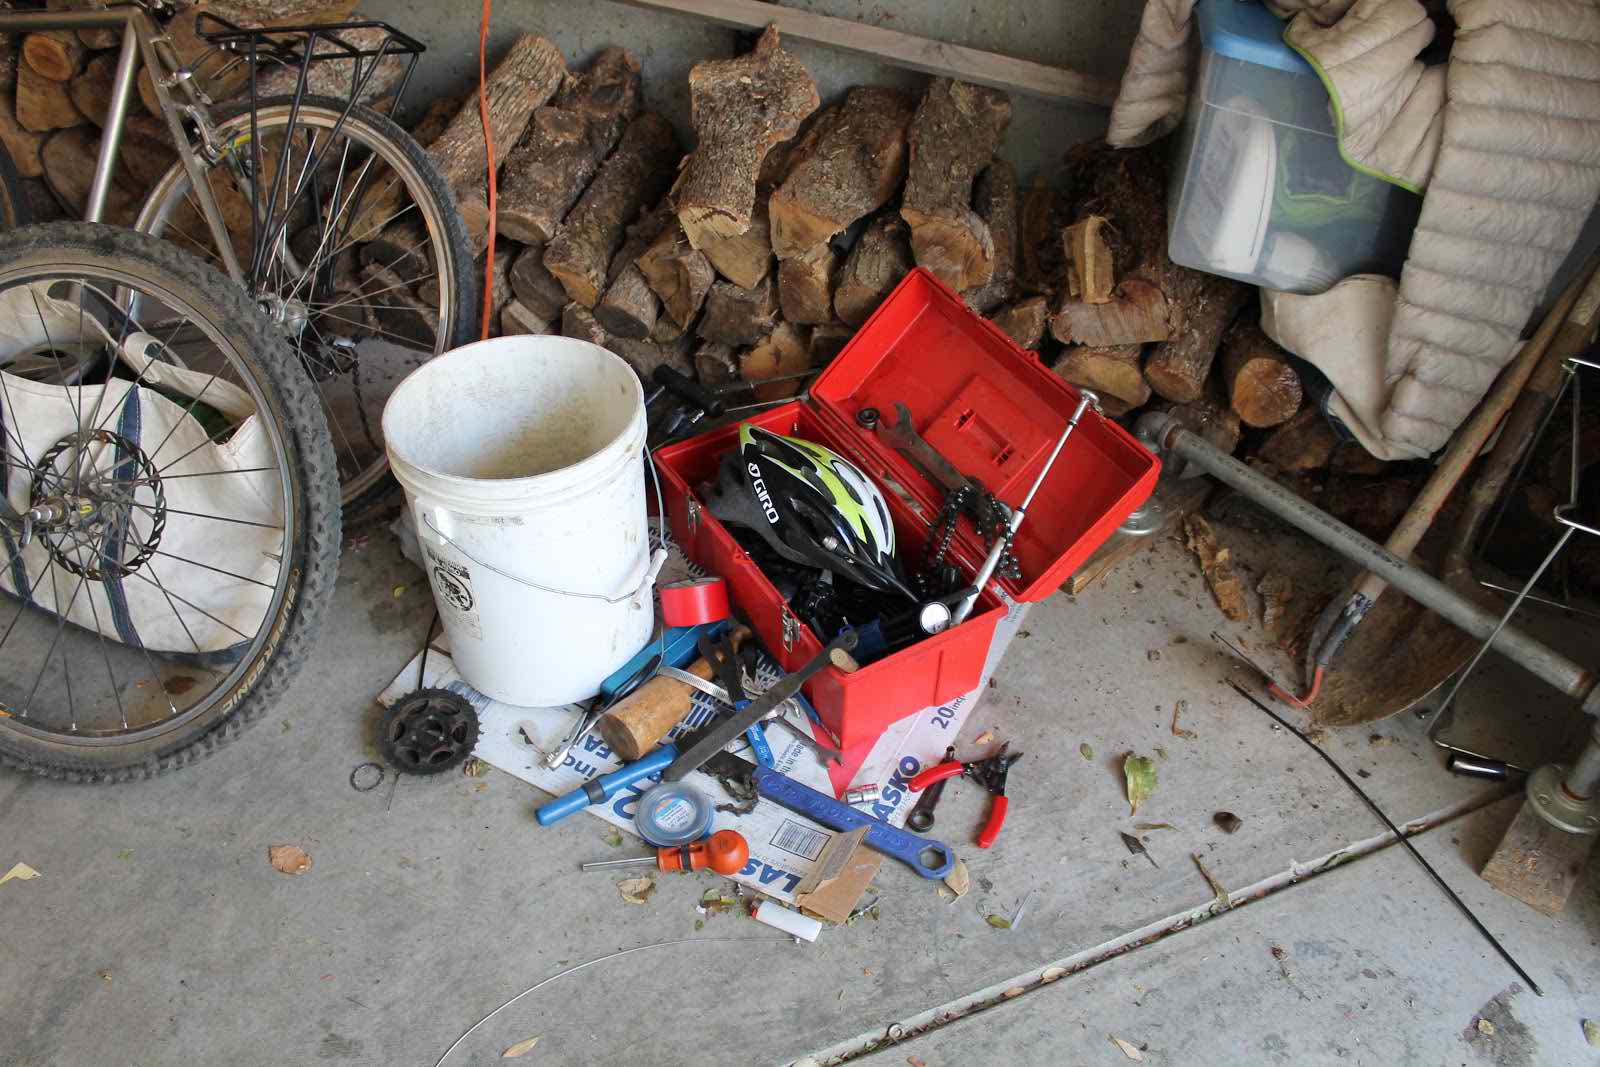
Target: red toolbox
(988, 407)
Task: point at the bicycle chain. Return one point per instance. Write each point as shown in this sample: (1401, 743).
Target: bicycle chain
(988, 517)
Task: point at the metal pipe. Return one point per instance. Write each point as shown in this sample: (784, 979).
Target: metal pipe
(1583, 780)
(1428, 591)
(111, 133)
(40, 21)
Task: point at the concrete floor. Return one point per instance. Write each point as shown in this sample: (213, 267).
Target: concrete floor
(159, 934)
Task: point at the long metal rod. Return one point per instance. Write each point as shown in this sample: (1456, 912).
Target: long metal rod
(1532, 655)
(116, 115)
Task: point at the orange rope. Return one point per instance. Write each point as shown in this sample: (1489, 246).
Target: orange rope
(488, 143)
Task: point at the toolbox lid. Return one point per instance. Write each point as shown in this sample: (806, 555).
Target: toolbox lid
(993, 411)
(1245, 30)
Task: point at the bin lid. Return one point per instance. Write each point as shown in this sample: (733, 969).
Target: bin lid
(1245, 30)
(994, 412)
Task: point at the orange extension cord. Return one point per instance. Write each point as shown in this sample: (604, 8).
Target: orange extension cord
(488, 143)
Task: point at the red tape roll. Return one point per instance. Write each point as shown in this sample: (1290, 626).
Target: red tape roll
(694, 602)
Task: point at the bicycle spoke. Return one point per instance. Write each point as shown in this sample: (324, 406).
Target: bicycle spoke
(188, 603)
(168, 596)
(48, 568)
(196, 474)
(202, 515)
(61, 626)
(116, 690)
(378, 331)
(208, 567)
(77, 411)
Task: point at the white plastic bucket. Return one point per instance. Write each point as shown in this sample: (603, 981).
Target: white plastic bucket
(522, 463)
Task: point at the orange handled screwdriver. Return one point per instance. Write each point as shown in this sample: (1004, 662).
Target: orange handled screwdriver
(725, 852)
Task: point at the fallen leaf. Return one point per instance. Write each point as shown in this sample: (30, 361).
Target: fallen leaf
(945, 894)
(1217, 889)
(1161, 753)
(1135, 846)
(1050, 974)
(984, 738)
(125, 854)
(1276, 591)
(1379, 741)
(1485, 1027)
(916, 1061)
(1085, 751)
(959, 879)
(1140, 774)
(999, 922)
(288, 859)
(106, 975)
(1278, 953)
(1177, 731)
(1129, 1049)
(614, 837)
(1146, 827)
(21, 872)
(474, 768)
(1152, 655)
(399, 591)
(636, 890)
(1228, 821)
(1217, 567)
(699, 924)
(1014, 991)
(521, 1048)
(866, 972)
(1591, 1032)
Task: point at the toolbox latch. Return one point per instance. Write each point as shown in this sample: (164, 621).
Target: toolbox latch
(691, 519)
(791, 629)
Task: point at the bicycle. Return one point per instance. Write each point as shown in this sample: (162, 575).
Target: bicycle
(169, 503)
(347, 221)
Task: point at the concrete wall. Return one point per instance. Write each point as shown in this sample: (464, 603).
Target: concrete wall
(1091, 36)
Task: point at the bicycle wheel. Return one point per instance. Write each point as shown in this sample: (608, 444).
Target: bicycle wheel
(170, 534)
(368, 272)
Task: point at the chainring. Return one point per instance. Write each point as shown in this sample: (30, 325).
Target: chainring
(428, 732)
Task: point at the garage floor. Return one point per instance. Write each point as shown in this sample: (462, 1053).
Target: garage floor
(158, 933)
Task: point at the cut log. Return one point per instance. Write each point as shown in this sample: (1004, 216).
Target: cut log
(399, 311)
(665, 331)
(401, 248)
(90, 89)
(643, 356)
(1041, 255)
(842, 170)
(526, 78)
(953, 136)
(828, 341)
(715, 364)
(1024, 321)
(1216, 563)
(1211, 418)
(1155, 299)
(54, 54)
(21, 143)
(579, 322)
(996, 200)
(805, 286)
(534, 287)
(737, 316)
(10, 57)
(500, 295)
(564, 146)
(1090, 278)
(629, 307)
(636, 174)
(740, 108)
(783, 351)
(744, 259)
(880, 258)
(44, 105)
(679, 275)
(92, 39)
(1108, 371)
(1136, 313)
(434, 120)
(1262, 385)
(67, 160)
(516, 318)
(1304, 443)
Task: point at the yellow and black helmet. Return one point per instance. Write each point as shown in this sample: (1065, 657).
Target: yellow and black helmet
(811, 505)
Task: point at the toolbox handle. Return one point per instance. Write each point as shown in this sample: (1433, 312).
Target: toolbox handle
(651, 567)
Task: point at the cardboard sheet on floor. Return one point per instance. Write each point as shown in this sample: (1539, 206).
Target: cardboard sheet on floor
(784, 846)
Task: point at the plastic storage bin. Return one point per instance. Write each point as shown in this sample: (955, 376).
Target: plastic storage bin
(994, 411)
(1259, 191)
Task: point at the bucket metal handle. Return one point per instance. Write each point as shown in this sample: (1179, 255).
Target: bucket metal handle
(652, 567)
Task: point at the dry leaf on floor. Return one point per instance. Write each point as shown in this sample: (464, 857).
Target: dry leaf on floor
(1276, 591)
(1227, 821)
(999, 922)
(916, 1061)
(636, 890)
(1485, 1027)
(399, 591)
(474, 767)
(1146, 827)
(1217, 888)
(521, 1048)
(984, 738)
(288, 859)
(1129, 1049)
(21, 872)
(614, 837)
(1140, 774)
(1177, 731)
(1050, 974)
(1216, 564)
(959, 879)
(1135, 846)
(1085, 751)
(1591, 1032)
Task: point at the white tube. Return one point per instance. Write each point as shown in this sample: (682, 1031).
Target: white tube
(790, 922)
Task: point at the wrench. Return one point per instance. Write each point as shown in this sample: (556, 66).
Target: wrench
(903, 438)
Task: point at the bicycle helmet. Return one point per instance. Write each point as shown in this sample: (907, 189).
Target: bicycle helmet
(811, 505)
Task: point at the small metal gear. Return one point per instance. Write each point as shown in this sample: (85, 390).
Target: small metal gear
(428, 732)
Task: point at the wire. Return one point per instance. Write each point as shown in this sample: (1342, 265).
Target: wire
(488, 145)
(427, 639)
(601, 959)
(1401, 837)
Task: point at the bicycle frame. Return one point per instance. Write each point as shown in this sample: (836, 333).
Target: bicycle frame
(140, 41)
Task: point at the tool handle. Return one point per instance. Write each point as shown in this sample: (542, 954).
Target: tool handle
(686, 388)
(598, 790)
(638, 722)
(997, 819)
(937, 773)
(904, 846)
(759, 747)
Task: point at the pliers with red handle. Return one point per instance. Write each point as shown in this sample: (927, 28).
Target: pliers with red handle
(989, 773)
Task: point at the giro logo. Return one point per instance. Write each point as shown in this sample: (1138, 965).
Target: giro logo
(760, 487)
